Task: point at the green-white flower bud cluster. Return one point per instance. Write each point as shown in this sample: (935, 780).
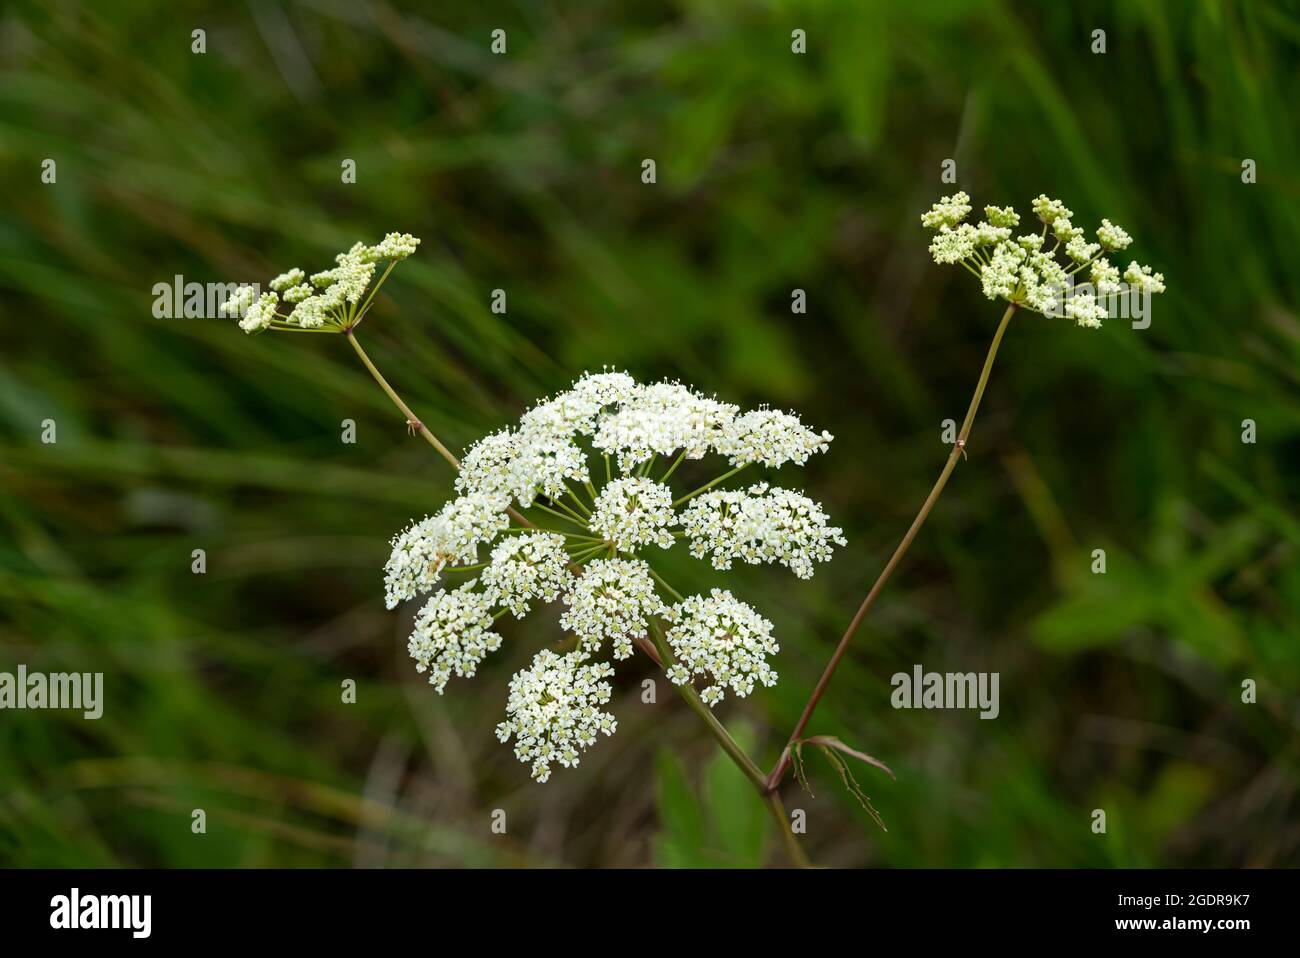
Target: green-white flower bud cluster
(1026, 271)
(332, 300)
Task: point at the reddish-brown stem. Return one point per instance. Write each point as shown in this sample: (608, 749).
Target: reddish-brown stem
(958, 451)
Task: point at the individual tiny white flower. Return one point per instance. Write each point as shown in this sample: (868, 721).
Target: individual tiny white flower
(611, 602)
(452, 635)
(282, 282)
(949, 211)
(1112, 237)
(1084, 309)
(953, 245)
(771, 437)
(554, 710)
(524, 567)
(1080, 250)
(451, 537)
(1142, 278)
(723, 638)
(633, 511)
(659, 420)
(1050, 210)
(259, 315)
(760, 524)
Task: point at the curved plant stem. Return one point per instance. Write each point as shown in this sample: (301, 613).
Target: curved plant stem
(735, 752)
(709, 485)
(412, 420)
(663, 582)
(958, 451)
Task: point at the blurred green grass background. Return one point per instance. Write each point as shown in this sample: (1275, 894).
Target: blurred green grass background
(775, 172)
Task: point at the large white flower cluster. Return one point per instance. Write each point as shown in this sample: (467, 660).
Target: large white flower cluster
(328, 300)
(1025, 270)
(591, 467)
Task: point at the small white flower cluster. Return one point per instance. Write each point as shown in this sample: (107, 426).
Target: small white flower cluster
(524, 567)
(609, 592)
(453, 632)
(612, 601)
(660, 419)
(554, 710)
(1023, 270)
(771, 437)
(326, 300)
(452, 537)
(719, 636)
(522, 465)
(634, 511)
(760, 524)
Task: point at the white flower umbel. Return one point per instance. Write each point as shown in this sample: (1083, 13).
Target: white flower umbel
(525, 567)
(611, 602)
(771, 437)
(1025, 270)
(583, 466)
(633, 511)
(451, 537)
(723, 638)
(452, 635)
(333, 300)
(554, 710)
(760, 524)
